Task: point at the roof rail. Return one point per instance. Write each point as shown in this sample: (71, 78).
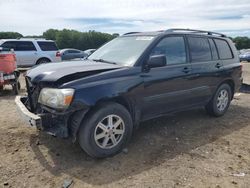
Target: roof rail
(196, 31)
(23, 38)
(131, 33)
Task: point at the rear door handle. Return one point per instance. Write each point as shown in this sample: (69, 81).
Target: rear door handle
(186, 70)
(218, 65)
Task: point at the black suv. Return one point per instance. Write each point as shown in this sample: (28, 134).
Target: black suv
(100, 101)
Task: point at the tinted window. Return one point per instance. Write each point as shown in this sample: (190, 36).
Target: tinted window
(223, 49)
(20, 45)
(10, 44)
(213, 49)
(173, 48)
(25, 46)
(199, 49)
(47, 46)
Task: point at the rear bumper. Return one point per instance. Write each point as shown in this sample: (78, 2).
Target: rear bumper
(28, 117)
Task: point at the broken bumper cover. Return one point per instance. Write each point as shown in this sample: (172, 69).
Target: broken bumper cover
(29, 117)
(52, 124)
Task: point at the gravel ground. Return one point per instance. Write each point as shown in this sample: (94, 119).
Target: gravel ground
(188, 149)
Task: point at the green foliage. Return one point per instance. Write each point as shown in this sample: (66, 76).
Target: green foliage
(242, 42)
(10, 35)
(85, 40)
(50, 34)
(80, 40)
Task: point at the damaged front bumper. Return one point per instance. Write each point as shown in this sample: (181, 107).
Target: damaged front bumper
(61, 125)
(29, 117)
(47, 122)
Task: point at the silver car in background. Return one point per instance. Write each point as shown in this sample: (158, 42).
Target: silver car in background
(70, 53)
(32, 51)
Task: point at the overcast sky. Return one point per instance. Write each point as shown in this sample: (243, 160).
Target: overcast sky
(32, 17)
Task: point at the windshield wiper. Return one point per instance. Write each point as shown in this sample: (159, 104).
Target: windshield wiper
(104, 61)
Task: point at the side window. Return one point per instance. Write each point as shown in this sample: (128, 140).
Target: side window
(173, 48)
(25, 46)
(199, 49)
(213, 49)
(73, 51)
(223, 49)
(9, 44)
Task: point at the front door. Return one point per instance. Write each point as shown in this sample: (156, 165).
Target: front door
(168, 88)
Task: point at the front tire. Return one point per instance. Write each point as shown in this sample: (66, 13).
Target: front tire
(220, 102)
(106, 130)
(16, 87)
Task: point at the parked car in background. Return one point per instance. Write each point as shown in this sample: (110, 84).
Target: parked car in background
(89, 51)
(70, 53)
(245, 56)
(133, 78)
(32, 51)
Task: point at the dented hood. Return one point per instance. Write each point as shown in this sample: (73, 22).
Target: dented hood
(67, 71)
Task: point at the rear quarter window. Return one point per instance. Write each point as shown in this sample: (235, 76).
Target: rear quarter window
(47, 46)
(224, 49)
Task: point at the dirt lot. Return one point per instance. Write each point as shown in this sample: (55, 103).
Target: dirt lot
(189, 149)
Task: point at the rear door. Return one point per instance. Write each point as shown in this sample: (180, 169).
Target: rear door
(206, 66)
(168, 88)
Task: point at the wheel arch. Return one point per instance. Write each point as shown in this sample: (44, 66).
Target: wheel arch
(231, 83)
(78, 117)
(40, 58)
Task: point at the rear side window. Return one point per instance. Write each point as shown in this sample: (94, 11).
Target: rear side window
(199, 49)
(223, 49)
(73, 51)
(20, 45)
(173, 48)
(213, 49)
(47, 46)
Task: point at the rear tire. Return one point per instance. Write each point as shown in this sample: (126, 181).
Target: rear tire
(106, 131)
(220, 102)
(43, 60)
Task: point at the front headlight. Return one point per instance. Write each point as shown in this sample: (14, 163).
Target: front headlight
(56, 98)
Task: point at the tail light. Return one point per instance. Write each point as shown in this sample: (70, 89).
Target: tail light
(58, 54)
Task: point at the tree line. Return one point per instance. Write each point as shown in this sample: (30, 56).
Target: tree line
(68, 38)
(92, 39)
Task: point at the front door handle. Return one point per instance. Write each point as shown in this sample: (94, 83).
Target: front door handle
(186, 70)
(218, 65)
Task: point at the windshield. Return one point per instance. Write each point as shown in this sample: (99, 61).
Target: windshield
(122, 50)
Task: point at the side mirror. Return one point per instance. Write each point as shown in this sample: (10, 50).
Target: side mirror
(157, 61)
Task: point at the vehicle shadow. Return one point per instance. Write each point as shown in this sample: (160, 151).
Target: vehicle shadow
(153, 143)
(8, 93)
